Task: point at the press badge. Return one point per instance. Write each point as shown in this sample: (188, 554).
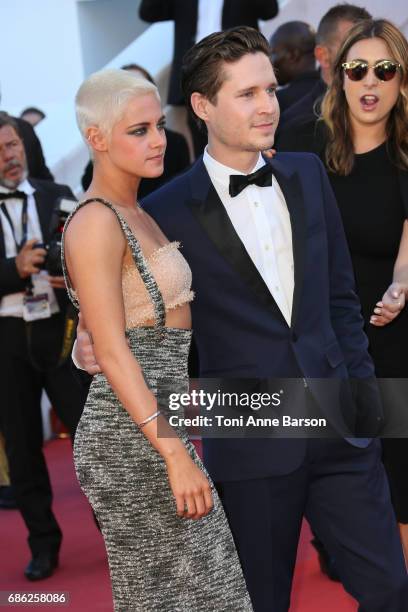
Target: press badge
(36, 307)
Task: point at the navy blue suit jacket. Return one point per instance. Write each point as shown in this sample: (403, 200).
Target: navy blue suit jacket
(239, 329)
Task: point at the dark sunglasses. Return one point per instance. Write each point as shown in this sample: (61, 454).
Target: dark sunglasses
(384, 70)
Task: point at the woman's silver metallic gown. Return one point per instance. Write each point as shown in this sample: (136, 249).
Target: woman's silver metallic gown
(158, 562)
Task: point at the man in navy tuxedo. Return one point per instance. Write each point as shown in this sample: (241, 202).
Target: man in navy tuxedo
(275, 299)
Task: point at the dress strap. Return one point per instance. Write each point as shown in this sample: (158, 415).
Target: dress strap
(140, 262)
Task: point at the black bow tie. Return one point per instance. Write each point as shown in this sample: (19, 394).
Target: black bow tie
(262, 178)
(8, 195)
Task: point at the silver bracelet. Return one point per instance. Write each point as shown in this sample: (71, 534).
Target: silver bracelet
(150, 418)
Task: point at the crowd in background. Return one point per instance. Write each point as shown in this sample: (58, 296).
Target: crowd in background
(320, 113)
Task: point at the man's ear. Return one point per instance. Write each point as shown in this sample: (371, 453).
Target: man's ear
(96, 138)
(322, 56)
(200, 105)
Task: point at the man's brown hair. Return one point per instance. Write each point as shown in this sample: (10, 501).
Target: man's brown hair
(202, 64)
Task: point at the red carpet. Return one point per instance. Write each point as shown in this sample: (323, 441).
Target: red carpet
(83, 571)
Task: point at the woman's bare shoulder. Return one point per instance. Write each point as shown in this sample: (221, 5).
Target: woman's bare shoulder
(96, 221)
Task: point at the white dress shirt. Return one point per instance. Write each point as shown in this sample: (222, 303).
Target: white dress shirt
(261, 219)
(209, 18)
(12, 305)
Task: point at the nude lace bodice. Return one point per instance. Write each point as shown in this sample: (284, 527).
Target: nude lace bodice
(151, 285)
(172, 275)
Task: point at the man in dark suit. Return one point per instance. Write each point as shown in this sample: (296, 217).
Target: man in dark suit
(292, 47)
(275, 299)
(37, 169)
(194, 19)
(331, 32)
(35, 323)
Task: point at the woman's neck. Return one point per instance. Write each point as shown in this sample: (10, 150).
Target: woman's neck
(117, 187)
(368, 137)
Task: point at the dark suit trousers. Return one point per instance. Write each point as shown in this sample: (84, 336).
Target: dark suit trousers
(343, 492)
(20, 419)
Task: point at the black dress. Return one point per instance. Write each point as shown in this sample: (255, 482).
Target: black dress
(373, 214)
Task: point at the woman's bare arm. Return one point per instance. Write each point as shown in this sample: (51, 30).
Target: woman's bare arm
(94, 250)
(394, 299)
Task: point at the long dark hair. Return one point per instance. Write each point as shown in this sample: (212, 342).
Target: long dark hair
(340, 150)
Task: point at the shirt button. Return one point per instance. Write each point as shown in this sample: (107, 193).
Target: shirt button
(276, 288)
(256, 204)
(266, 247)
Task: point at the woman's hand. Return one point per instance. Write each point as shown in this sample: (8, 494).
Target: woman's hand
(190, 487)
(269, 153)
(390, 306)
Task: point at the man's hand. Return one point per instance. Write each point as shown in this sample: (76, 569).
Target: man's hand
(390, 306)
(84, 353)
(29, 259)
(57, 282)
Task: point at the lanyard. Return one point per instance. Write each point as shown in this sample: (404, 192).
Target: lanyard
(24, 223)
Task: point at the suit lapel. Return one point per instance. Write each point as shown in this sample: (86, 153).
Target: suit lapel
(213, 218)
(44, 207)
(2, 244)
(43, 217)
(290, 185)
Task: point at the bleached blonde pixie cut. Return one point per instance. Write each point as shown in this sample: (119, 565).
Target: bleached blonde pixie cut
(101, 100)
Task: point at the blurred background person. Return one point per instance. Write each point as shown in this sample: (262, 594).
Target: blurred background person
(365, 112)
(37, 169)
(193, 20)
(36, 328)
(292, 47)
(176, 157)
(33, 150)
(7, 500)
(331, 31)
(33, 115)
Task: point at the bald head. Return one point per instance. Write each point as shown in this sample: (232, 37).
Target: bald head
(292, 46)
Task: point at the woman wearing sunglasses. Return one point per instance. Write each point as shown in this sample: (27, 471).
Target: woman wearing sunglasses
(365, 112)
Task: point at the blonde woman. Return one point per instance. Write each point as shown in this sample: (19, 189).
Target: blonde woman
(167, 538)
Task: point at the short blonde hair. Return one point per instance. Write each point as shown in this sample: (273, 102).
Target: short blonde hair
(102, 98)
